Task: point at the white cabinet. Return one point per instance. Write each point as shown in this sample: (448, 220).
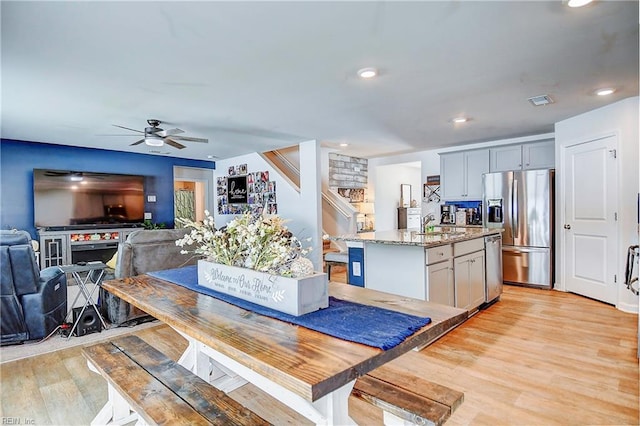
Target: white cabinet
(440, 284)
(540, 155)
(462, 174)
(468, 272)
(55, 250)
(409, 217)
(506, 158)
(537, 155)
(469, 280)
(439, 275)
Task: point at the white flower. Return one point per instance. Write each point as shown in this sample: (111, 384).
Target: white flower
(249, 241)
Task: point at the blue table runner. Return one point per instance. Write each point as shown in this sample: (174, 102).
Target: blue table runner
(355, 322)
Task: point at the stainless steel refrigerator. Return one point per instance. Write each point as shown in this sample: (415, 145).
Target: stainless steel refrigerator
(521, 202)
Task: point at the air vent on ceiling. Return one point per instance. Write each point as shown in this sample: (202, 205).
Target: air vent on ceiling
(540, 100)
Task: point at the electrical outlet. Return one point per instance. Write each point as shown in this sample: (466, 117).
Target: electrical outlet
(151, 198)
(147, 215)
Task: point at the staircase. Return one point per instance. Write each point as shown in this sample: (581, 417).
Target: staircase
(338, 216)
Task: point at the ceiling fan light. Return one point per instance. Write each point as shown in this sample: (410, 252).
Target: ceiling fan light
(153, 140)
(367, 73)
(605, 92)
(578, 3)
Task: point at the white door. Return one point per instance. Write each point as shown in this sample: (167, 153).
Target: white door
(590, 219)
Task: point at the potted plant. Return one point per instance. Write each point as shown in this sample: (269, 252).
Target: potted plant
(258, 259)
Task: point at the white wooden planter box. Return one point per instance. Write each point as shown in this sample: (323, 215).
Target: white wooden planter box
(295, 296)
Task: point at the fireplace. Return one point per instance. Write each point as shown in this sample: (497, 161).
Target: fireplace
(100, 251)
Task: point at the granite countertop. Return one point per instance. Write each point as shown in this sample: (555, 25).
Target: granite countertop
(412, 237)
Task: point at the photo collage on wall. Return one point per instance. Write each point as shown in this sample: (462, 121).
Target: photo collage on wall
(241, 191)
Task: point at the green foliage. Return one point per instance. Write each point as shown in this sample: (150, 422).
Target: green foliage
(147, 224)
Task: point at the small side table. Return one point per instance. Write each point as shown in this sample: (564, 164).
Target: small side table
(82, 275)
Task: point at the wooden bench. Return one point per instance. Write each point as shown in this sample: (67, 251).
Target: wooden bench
(405, 398)
(158, 390)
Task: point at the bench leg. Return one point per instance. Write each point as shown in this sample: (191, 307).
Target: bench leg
(116, 411)
(390, 419)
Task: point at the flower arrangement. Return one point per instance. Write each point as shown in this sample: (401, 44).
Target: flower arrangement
(249, 241)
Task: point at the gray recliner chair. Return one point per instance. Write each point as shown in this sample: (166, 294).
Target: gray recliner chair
(33, 302)
(143, 251)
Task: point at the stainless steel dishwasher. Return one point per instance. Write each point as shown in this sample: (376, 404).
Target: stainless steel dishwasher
(493, 267)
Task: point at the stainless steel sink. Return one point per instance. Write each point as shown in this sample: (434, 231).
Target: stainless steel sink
(436, 233)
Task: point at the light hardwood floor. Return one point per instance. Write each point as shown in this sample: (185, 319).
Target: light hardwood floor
(535, 358)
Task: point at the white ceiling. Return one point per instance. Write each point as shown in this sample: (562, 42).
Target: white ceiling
(254, 76)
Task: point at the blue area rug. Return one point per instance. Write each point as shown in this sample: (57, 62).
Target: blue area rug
(369, 325)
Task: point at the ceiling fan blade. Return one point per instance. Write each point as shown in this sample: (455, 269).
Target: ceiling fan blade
(128, 128)
(115, 134)
(137, 142)
(173, 143)
(186, 138)
(170, 132)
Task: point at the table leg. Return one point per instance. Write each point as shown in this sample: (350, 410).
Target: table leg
(335, 406)
(332, 409)
(188, 357)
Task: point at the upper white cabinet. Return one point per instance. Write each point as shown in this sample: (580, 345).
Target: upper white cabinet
(537, 155)
(462, 174)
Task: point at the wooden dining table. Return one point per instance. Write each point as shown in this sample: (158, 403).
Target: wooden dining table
(311, 372)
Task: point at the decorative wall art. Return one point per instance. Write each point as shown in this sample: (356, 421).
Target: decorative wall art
(355, 195)
(242, 191)
(432, 189)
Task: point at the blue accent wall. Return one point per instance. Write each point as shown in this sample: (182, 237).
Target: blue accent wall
(18, 159)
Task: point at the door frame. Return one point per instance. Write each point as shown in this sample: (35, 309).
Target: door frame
(561, 242)
(195, 174)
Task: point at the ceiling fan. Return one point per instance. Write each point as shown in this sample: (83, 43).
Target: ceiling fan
(155, 136)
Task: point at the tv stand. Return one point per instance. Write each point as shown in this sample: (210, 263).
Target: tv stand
(60, 247)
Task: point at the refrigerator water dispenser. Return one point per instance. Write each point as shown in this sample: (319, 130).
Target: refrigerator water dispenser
(494, 208)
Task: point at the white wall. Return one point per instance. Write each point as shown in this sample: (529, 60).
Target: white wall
(621, 119)
(386, 182)
(302, 209)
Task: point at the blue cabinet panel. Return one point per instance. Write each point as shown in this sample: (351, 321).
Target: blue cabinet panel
(356, 266)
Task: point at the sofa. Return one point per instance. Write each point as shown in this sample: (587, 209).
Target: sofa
(33, 303)
(143, 251)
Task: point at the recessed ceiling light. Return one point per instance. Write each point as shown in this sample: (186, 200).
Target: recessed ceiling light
(578, 3)
(605, 92)
(344, 144)
(460, 119)
(367, 72)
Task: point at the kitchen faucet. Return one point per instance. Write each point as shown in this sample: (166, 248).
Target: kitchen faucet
(426, 221)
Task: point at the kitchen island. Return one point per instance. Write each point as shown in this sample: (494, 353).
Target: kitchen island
(447, 265)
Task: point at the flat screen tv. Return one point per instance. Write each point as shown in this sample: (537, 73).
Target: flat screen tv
(66, 199)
